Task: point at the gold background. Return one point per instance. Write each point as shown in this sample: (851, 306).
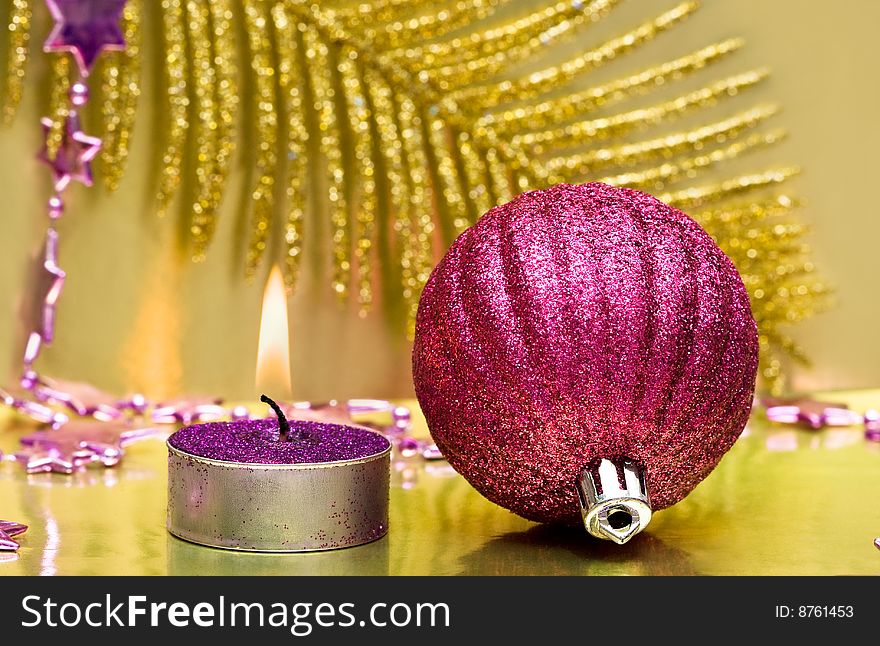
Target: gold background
(133, 316)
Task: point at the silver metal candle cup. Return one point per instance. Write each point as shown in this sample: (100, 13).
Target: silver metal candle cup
(278, 507)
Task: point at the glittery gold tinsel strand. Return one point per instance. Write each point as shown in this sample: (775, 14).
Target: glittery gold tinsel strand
(203, 215)
(662, 147)
(291, 83)
(359, 15)
(657, 178)
(176, 73)
(510, 41)
(574, 134)
(397, 31)
(477, 98)
(59, 101)
(548, 112)
(258, 23)
(222, 103)
(450, 187)
(734, 216)
(502, 47)
(392, 149)
(475, 173)
(700, 195)
(365, 211)
(380, 9)
(325, 106)
(120, 89)
(421, 193)
(502, 189)
(380, 12)
(19, 29)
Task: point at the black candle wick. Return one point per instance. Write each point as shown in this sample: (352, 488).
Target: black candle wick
(283, 424)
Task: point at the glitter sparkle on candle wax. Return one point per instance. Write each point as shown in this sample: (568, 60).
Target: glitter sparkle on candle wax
(257, 442)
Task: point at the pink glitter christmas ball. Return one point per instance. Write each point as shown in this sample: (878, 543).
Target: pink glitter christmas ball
(579, 323)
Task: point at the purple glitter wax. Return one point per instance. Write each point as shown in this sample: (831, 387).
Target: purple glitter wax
(278, 485)
(258, 442)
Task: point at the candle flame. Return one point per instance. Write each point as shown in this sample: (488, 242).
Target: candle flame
(273, 355)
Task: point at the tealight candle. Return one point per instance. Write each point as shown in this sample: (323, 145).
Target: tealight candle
(278, 485)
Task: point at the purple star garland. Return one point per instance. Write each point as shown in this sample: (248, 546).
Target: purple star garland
(49, 281)
(85, 28)
(33, 410)
(72, 159)
(82, 399)
(105, 425)
(816, 415)
(8, 529)
(78, 444)
(810, 413)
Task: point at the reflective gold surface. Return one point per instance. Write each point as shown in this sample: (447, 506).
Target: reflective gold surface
(784, 501)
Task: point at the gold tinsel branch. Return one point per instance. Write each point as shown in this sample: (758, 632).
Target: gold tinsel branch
(413, 118)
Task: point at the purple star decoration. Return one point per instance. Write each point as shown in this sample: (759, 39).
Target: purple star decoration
(85, 28)
(78, 444)
(72, 160)
(49, 281)
(82, 399)
(8, 529)
(189, 411)
(34, 410)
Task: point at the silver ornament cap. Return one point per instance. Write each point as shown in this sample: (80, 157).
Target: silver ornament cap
(614, 499)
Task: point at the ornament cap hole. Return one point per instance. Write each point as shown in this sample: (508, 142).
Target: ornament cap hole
(619, 518)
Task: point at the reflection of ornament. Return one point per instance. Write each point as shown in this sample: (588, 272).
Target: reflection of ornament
(85, 28)
(590, 335)
(559, 550)
(877, 543)
(809, 412)
(448, 110)
(8, 529)
(73, 158)
(830, 440)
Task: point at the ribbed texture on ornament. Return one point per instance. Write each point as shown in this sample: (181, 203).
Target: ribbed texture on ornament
(577, 323)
